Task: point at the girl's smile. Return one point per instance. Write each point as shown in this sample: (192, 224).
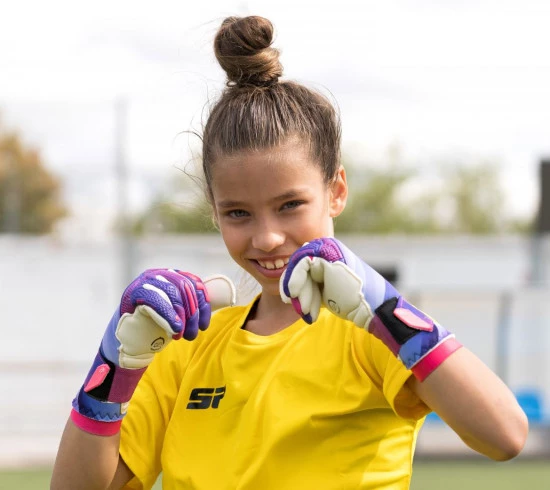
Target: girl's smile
(269, 202)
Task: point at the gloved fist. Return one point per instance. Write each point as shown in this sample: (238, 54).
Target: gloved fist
(158, 306)
(325, 272)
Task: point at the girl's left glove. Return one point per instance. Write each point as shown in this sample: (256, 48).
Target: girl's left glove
(326, 272)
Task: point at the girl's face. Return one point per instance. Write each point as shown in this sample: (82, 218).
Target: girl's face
(268, 203)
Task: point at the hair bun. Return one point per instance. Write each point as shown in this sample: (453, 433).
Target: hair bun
(243, 49)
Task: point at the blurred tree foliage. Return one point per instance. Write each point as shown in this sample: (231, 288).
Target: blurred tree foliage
(29, 194)
(455, 198)
(182, 208)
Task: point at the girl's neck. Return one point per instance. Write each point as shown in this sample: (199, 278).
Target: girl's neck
(270, 316)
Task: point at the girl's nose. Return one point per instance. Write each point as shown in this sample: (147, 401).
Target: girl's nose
(267, 238)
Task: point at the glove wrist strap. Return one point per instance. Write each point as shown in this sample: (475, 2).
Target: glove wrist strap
(102, 401)
(420, 343)
(111, 383)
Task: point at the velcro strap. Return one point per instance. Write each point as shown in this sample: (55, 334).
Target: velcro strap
(420, 343)
(402, 319)
(110, 383)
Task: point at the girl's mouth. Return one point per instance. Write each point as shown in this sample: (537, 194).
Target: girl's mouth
(271, 269)
(273, 265)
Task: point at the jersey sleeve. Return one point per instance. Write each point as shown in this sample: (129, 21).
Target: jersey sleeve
(390, 375)
(149, 411)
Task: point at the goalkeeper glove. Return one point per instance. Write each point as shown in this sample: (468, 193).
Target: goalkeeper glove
(158, 306)
(325, 271)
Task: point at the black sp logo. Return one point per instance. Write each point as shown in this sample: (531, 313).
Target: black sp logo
(203, 398)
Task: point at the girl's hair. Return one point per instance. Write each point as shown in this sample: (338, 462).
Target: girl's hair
(256, 110)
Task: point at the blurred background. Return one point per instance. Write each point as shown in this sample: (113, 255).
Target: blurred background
(446, 140)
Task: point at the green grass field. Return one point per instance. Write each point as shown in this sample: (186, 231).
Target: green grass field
(482, 475)
(444, 475)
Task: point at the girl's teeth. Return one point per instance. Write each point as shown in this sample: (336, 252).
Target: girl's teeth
(278, 264)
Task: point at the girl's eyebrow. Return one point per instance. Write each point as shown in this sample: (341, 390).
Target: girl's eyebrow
(291, 194)
(229, 204)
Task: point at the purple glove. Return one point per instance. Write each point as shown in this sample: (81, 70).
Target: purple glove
(158, 306)
(325, 271)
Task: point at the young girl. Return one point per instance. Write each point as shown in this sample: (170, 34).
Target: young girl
(321, 382)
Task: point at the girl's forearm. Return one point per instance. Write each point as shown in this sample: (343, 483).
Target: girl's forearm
(84, 460)
(476, 404)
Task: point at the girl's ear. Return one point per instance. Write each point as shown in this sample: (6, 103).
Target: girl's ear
(338, 193)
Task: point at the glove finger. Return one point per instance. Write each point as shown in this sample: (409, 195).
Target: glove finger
(316, 302)
(298, 278)
(185, 288)
(194, 299)
(156, 298)
(180, 310)
(190, 304)
(205, 311)
(296, 258)
(309, 299)
(317, 269)
(283, 287)
(316, 280)
(305, 293)
(192, 327)
(203, 300)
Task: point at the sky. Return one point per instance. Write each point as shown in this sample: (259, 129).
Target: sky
(439, 79)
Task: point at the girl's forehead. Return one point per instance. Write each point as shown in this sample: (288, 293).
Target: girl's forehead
(292, 155)
(265, 173)
(271, 163)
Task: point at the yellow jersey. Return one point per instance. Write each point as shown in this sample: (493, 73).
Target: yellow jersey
(322, 406)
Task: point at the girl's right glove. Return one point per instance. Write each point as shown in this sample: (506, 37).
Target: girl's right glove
(158, 306)
(325, 271)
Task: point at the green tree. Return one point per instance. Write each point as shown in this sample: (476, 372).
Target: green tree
(29, 194)
(378, 203)
(477, 199)
(459, 199)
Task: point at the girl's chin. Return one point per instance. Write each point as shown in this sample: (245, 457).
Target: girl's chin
(269, 286)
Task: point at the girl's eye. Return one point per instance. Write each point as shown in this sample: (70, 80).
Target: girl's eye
(292, 204)
(237, 213)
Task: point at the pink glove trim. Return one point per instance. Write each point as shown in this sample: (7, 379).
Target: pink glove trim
(95, 427)
(431, 361)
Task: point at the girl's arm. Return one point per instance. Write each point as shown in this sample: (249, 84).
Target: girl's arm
(158, 306)
(476, 404)
(447, 377)
(87, 461)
